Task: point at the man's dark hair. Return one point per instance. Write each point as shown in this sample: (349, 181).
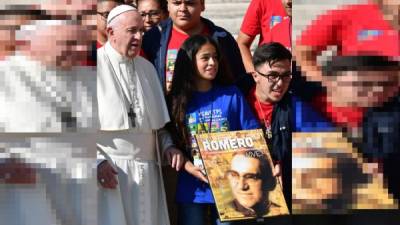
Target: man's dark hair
(270, 53)
(359, 63)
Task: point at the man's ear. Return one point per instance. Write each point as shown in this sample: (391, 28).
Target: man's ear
(109, 31)
(255, 76)
(203, 6)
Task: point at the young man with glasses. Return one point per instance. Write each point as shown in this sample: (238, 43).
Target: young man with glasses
(272, 106)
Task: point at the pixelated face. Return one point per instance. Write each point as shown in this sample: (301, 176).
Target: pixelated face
(103, 9)
(150, 12)
(314, 179)
(245, 180)
(392, 7)
(6, 42)
(68, 7)
(8, 25)
(126, 35)
(207, 62)
(185, 14)
(273, 81)
(60, 45)
(287, 4)
(361, 88)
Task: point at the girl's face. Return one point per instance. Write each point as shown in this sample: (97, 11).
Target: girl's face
(207, 62)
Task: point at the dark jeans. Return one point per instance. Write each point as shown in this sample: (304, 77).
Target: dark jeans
(198, 214)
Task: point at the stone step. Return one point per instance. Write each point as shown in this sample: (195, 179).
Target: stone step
(226, 11)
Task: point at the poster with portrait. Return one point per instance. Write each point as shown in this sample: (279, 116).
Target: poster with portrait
(239, 169)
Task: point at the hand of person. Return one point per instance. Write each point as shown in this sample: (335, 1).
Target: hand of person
(277, 172)
(107, 175)
(13, 172)
(195, 171)
(175, 157)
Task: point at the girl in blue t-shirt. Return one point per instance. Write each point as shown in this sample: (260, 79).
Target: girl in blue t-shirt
(202, 100)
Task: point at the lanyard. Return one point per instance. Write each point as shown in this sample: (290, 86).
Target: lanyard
(267, 124)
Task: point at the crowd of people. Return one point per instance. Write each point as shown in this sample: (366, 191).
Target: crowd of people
(164, 74)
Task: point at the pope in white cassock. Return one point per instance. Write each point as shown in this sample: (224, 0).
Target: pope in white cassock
(47, 139)
(132, 113)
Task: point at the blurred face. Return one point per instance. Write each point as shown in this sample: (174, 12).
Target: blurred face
(207, 62)
(272, 82)
(185, 14)
(288, 6)
(103, 9)
(68, 7)
(150, 12)
(315, 178)
(361, 88)
(245, 181)
(391, 7)
(126, 36)
(63, 46)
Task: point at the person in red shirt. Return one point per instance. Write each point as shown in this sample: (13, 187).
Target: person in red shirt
(271, 105)
(353, 31)
(282, 33)
(103, 9)
(260, 18)
(359, 95)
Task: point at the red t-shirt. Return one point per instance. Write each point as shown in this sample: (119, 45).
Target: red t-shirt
(98, 45)
(261, 17)
(347, 116)
(176, 40)
(263, 111)
(355, 30)
(282, 33)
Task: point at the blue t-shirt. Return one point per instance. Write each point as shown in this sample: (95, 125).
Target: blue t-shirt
(217, 110)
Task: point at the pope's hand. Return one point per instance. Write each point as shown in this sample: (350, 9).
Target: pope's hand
(14, 172)
(175, 157)
(107, 175)
(195, 171)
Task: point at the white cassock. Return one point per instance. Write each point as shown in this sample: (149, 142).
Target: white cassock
(130, 142)
(47, 121)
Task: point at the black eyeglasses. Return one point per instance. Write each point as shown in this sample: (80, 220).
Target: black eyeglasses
(151, 14)
(274, 76)
(104, 14)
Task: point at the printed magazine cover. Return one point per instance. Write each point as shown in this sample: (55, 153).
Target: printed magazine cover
(239, 169)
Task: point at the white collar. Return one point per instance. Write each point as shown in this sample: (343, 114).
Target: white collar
(116, 57)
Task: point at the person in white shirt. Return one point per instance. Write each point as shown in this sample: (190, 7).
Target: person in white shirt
(132, 113)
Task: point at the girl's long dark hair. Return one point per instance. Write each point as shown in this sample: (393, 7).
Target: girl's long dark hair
(183, 85)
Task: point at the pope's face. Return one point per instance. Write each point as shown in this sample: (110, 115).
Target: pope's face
(245, 180)
(126, 35)
(60, 45)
